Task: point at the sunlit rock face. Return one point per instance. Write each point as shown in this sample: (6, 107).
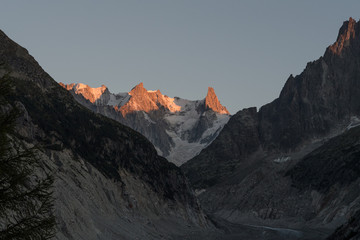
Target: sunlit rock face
(147, 101)
(91, 94)
(348, 32)
(212, 102)
(178, 128)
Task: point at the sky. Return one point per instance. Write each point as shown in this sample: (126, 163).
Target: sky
(245, 50)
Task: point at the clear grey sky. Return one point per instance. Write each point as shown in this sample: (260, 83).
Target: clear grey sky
(244, 49)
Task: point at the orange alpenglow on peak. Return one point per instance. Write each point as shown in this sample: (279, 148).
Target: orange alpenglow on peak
(91, 94)
(346, 33)
(144, 100)
(67, 86)
(212, 102)
(138, 90)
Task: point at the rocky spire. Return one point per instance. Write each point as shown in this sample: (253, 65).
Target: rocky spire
(348, 31)
(138, 90)
(212, 102)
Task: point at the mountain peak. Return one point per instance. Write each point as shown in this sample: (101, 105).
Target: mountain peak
(138, 87)
(144, 100)
(91, 94)
(212, 102)
(348, 31)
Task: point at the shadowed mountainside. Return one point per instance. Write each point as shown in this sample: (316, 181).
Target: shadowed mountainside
(113, 173)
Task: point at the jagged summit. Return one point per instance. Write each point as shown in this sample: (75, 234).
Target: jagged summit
(138, 90)
(212, 102)
(348, 31)
(143, 100)
(91, 94)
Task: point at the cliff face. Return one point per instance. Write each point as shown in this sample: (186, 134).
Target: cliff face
(322, 96)
(105, 173)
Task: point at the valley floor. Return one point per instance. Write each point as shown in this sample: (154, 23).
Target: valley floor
(233, 231)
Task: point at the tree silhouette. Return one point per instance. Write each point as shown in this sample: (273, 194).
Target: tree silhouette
(26, 201)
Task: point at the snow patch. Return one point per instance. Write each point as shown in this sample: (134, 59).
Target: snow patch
(159, 152)
(282, 159)
(170, 104)
(199, 191)
(354, 122)
(219, 123)
(146, 116)
(119, 99)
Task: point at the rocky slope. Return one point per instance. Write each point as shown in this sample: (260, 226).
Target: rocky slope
(109, 181)
(349, 231)
(178, 128)
(255, 169)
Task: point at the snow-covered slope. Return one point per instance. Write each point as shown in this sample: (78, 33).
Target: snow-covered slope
(178, 128)
(186, 124)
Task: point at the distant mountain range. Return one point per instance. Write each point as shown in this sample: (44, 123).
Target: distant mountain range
(178, 128)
